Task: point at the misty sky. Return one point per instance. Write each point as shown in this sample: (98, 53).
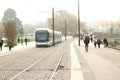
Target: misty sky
(36, 10)
(90, 10)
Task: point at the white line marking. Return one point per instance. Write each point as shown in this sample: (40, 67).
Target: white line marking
(76, 73)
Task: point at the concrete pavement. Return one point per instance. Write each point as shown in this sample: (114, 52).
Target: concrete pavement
(76, 71)
(5, 50)
(101, 67)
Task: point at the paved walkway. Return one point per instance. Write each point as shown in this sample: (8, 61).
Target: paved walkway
(102, 68)
(5, 50)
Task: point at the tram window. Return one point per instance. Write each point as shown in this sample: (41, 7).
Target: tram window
(42, 36)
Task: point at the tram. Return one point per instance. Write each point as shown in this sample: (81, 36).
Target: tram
(44, 37)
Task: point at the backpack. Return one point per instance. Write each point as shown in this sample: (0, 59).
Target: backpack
(98, 41)
(86, 41)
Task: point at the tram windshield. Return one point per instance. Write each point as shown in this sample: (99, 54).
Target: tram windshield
(42, 35)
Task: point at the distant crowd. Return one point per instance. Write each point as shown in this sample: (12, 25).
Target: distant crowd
(10, 44)
(96, 41)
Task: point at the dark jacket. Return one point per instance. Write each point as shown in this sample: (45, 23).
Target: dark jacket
(1, 42)
(105, 40)
(86, 41)
(99, 41)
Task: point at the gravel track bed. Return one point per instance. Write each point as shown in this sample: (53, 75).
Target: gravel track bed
(12, 64)
(16, 63)
(43, 69)
(63, 72)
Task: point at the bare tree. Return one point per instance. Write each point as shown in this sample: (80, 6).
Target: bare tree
(10, 15)
(59, 22)
(10, 30)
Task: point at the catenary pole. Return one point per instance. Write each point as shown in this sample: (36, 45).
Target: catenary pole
(53, 26)
(78, 25)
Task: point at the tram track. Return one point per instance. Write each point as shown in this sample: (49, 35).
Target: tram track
(27, 69)
(11, 60)
(53, 76)
(14, 57)
(57, 66)
(51, 71)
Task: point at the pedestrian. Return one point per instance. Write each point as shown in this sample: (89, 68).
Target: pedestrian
(95, 41)
(105, 42)
(99, 42)
(10, 44)
(26, 41)
(86, 42)
(1, 43)
(81, 38)
(91, 38)
(18, 40)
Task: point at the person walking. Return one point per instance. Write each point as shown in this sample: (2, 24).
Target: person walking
(18, 40)
(86, 42)
(81, 38)
(1, 44)
(105, 42)
(26, 41)
(10, 44)
(95, 41)
(99, 42)
(91, 38)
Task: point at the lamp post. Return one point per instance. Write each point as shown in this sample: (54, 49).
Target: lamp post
(53, 26)
(65, 29)
(53, 20)
(78, 25)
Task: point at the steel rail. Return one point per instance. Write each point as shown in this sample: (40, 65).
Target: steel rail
(32, 64)
(57, 66)
(12, 61)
